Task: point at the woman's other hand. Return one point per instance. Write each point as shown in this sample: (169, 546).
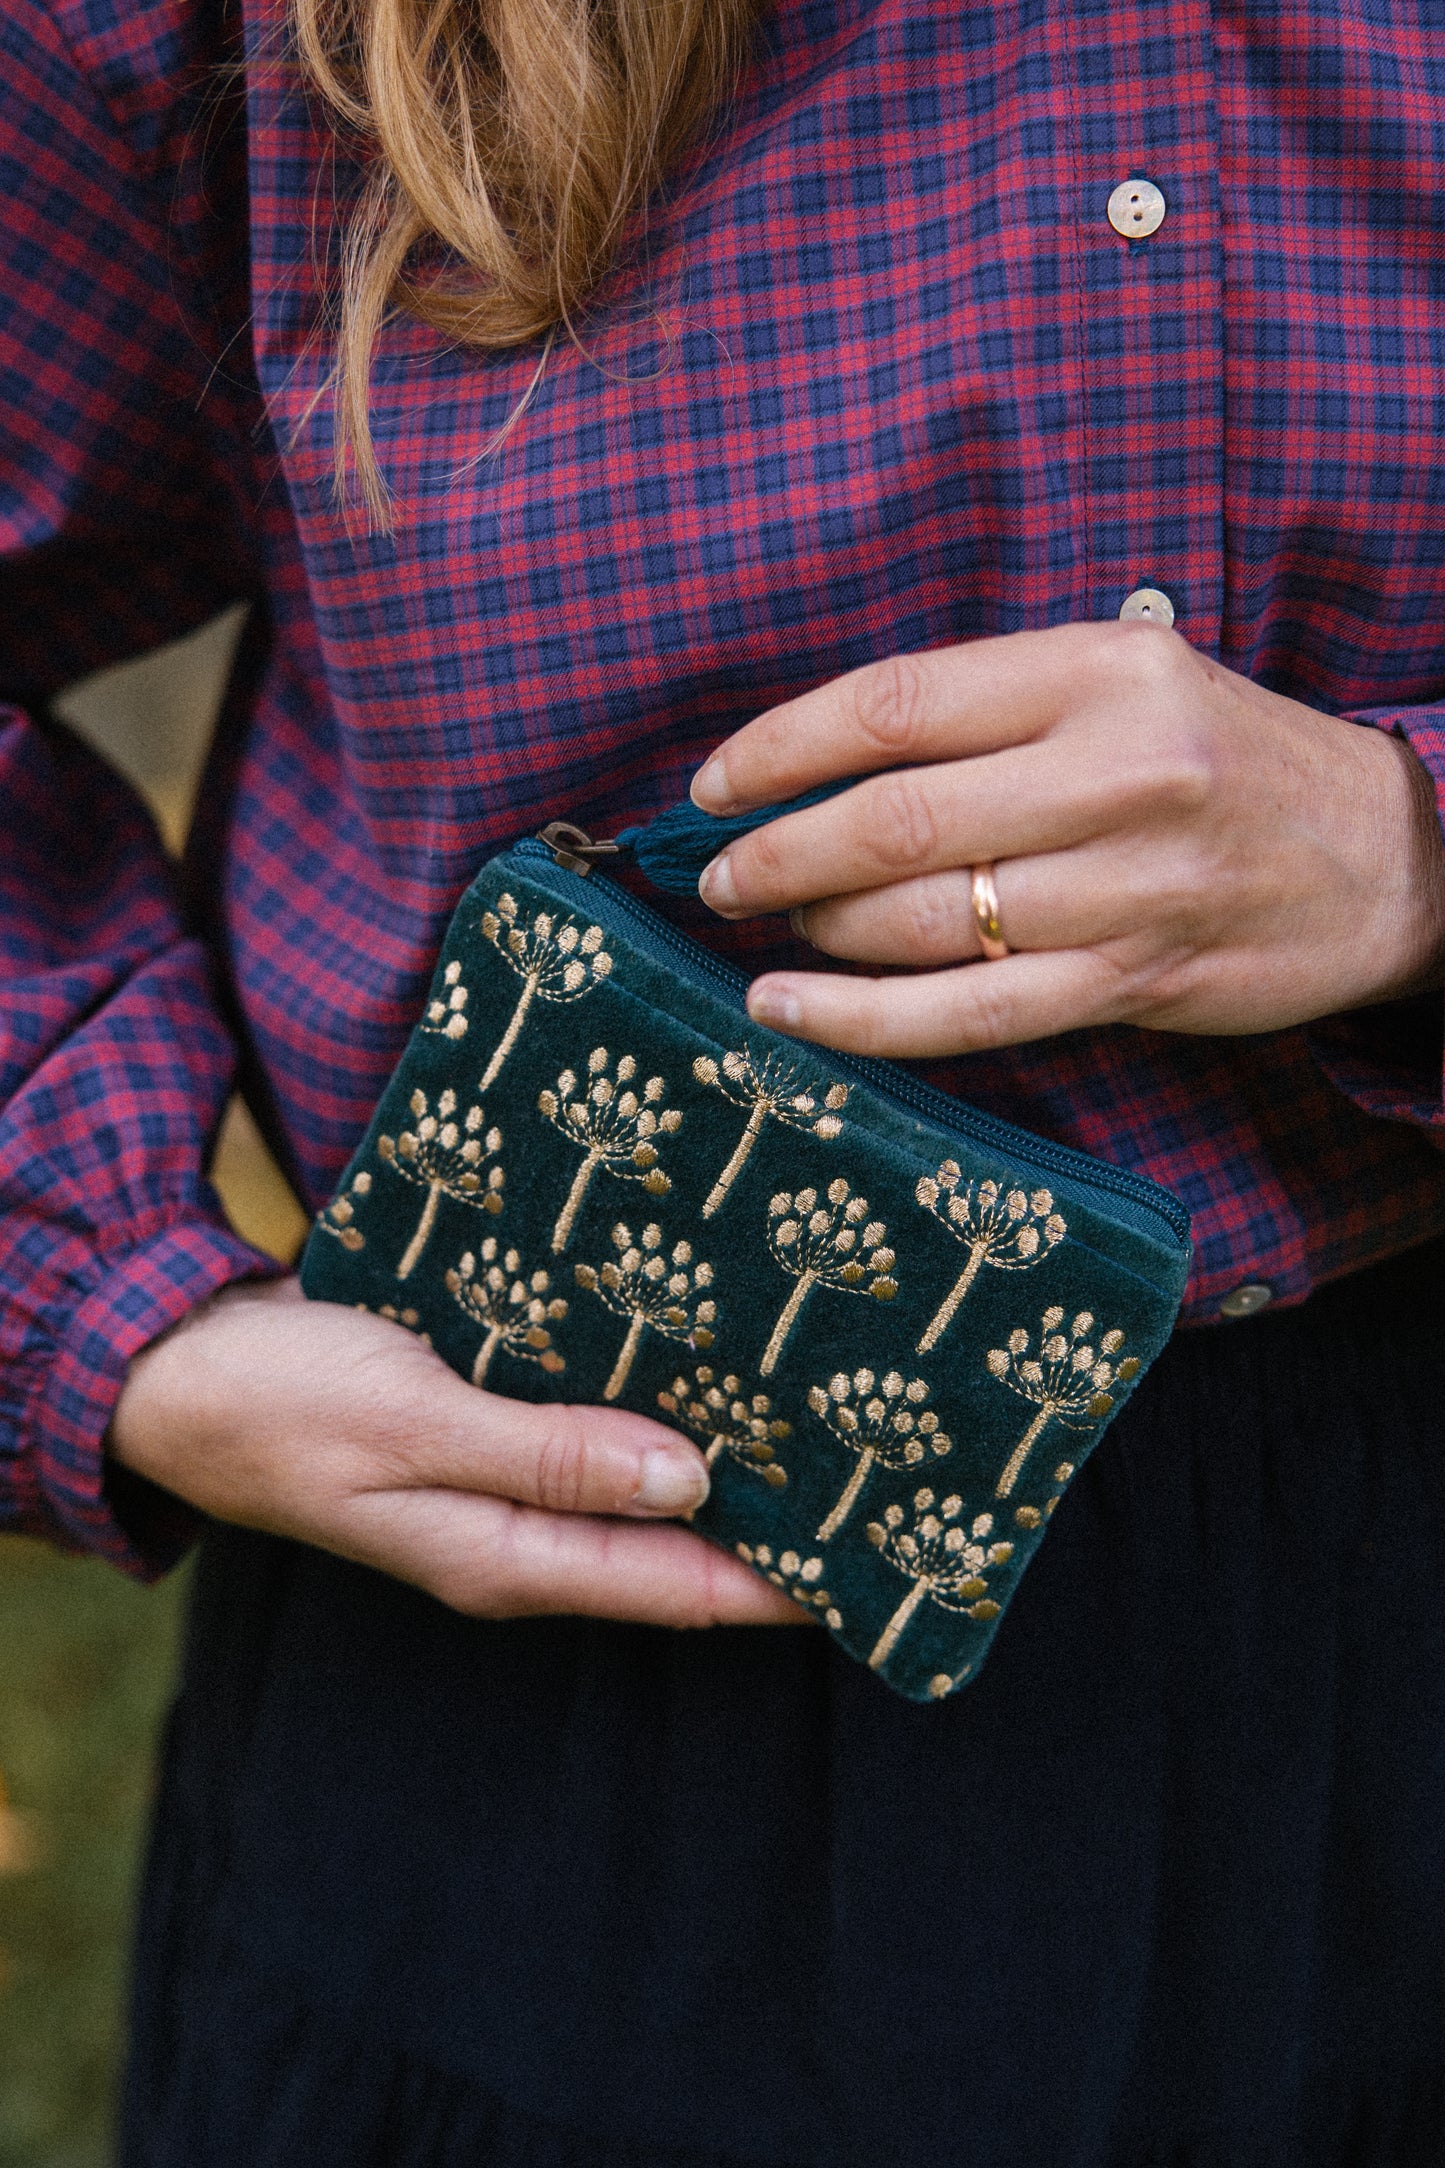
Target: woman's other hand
(343, 1430)
(1173, 846)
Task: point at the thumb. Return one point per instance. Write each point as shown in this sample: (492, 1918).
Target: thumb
(562, 1458)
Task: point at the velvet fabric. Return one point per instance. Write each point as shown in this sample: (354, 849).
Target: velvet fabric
(896, 1330)
(1164, 1888)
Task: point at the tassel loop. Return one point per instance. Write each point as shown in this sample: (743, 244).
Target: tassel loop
(672, 850)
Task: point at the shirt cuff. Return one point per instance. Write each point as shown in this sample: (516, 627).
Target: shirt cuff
(1390, 1060)
(65, 1490)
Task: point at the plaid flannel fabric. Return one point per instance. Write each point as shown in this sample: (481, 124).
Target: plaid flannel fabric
(882, 377)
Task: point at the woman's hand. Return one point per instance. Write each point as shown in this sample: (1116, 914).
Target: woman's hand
(1173, 846)
(340, 1429)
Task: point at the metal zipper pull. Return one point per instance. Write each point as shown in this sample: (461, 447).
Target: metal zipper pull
(573, 848)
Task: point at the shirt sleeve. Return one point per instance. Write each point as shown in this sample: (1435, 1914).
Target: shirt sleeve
(1390, 1060)
(118, 528)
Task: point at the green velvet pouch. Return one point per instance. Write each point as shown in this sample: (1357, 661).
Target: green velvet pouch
(895, 1326)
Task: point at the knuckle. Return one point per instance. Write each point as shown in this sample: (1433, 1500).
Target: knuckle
(762, 855)
(1102, 652)
(1185, 888)
(992, 1014)
(933, 924)
(888, 704)
(819, 926)
(1166, 759)
(562, 1464)
(1123, 986)
(1135, 992)
(900, 823)
(1146, 656)
(1179, 773)
(1145, 984)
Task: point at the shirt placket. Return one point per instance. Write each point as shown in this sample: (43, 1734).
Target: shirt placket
(1150, 326)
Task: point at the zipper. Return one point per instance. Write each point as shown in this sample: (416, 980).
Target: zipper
(571, 850)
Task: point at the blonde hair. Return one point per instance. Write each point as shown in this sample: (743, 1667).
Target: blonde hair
(508, 143)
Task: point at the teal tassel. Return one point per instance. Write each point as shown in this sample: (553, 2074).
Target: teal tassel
(672, 850)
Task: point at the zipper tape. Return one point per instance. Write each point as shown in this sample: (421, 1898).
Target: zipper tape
(1146, 1205)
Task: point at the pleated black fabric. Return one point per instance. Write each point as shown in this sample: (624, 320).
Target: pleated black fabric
(1166, 1886)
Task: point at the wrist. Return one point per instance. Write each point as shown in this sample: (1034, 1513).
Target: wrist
(168, 1385)
(1413, 952)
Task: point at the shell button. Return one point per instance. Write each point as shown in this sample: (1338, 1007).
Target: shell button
(1148, 602)
(1136, 209)
(1247, 1300)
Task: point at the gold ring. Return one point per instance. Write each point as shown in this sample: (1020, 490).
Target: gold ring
(985, 915)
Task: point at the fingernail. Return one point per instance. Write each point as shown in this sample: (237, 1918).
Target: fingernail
(798, 920)
(772, 1001)
(709, 789)
(669, 1484)
(717, 887)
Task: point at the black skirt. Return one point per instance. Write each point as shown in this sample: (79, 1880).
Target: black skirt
(1166, 1885)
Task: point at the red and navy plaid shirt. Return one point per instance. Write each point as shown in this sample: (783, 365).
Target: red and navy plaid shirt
(883, 377)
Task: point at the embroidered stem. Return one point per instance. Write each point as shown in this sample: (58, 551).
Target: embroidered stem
(849, 1498)
(1021, 1451)
(623, 1365)
(786, 1322)
(485, 1353)
(953, 1298)
(889, 1638)
(719, 1445)
(575, 1195)
(739, 1159)
(425, 1225)
(510, 1036)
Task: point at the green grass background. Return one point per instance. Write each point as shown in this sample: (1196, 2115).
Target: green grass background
(86, 1661)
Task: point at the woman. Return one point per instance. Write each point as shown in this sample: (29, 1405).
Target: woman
(964, 349)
